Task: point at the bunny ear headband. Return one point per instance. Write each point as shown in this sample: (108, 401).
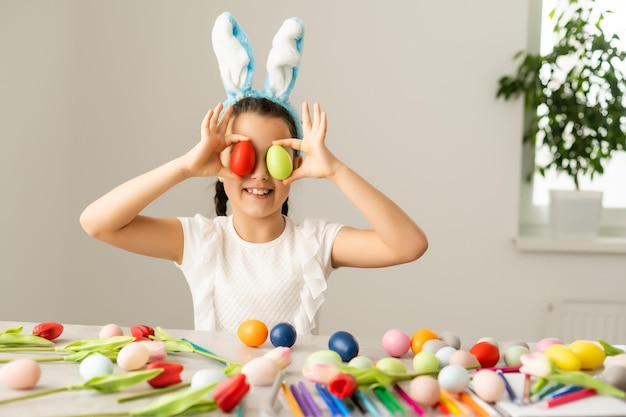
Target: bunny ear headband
(236, 62)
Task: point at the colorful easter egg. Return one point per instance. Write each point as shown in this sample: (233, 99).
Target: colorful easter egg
(283, 335)
(279, 163)
(252, 332)
(486, 352)
(20, 374)
(396, 342)
(590, 353)
(344, 344)
(242, 158)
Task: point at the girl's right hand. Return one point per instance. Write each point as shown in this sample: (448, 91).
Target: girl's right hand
(203, 160)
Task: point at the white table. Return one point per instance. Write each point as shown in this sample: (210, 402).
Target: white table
(73, 403)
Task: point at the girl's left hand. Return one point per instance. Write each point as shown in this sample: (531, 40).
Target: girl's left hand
(319, 161)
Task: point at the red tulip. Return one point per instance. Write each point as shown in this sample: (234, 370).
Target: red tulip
(229, 392)
(141, 331)
(342, 385)
(49, 330)
(169, 376)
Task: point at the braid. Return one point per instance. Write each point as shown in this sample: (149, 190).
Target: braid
(220, 199)
(285, 208)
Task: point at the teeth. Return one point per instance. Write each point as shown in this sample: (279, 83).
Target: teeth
(257, 191)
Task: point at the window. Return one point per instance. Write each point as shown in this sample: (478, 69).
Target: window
(535, 196)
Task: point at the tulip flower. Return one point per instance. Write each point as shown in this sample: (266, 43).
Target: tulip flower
(281, 355)
(141, 331)
(537, 364)
(13, 337)
(49, 330)
(229, 392)
(342, 385)
(320, 373)
(169, 376)
(156, 349)
(540, 365)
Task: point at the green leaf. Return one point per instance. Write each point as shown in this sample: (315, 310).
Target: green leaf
(609, 349)
(582, 379)
(82, 354)
(17, 339)
(97, 345)
(116, 382)
(177, 402)
(17, 329)
(370, 377)
(171, 344)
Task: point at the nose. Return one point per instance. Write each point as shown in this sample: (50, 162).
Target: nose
(260, 169)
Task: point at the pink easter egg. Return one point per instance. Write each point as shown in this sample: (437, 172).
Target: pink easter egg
(110, 330)
(425, 390)
(546, 342)
(20, 374)
(396, 342)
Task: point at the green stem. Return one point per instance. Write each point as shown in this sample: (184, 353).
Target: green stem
(217, 358)
(123, 414)
(36, 360)
(153, 392)
(33, 395)
(27, 349)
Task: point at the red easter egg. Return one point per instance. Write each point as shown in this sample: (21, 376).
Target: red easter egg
(242, 158)
(487, 354)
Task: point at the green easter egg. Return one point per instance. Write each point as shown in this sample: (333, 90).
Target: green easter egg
(279, 163)
(391, 366)
(361, 362)
(329, 357)
(425, 363)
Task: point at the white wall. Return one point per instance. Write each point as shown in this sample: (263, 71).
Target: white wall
(93, 93)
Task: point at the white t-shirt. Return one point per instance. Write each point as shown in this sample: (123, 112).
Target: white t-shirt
(232, 280)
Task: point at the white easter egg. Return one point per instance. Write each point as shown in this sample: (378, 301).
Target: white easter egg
(133, 356)
(96, 364)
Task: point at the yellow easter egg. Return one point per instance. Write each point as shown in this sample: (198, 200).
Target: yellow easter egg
(590, 353)
(279, 163)
(564, 358)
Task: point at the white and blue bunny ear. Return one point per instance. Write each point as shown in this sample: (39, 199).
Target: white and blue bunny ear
(284, 58)
(234, 56)
(236, 62)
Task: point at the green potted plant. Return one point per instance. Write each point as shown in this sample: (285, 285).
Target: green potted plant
(574, 100)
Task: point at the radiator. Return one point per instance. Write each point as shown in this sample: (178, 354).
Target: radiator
(570, 320)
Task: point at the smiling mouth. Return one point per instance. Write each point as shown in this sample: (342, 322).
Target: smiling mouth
(257, 191)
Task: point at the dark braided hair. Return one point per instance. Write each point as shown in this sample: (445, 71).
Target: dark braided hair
(262, 107)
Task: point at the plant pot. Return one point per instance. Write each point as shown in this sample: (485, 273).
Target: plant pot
(575, 214)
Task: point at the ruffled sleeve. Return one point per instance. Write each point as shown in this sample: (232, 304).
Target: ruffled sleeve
(315, 242)
(199, 238)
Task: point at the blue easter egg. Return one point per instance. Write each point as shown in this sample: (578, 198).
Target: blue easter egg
(283, 334)
(344, 344)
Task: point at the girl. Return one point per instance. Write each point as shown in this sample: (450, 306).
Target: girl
(256, 263)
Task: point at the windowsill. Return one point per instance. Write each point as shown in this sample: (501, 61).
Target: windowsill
(538, 239)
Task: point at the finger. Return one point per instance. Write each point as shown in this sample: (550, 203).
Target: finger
(292, 143)
(316, 114)
(234, 138)
(323, 123)
(216, 114)
(295, 176)
(226, 116)
(306, 117)
(207, 118)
